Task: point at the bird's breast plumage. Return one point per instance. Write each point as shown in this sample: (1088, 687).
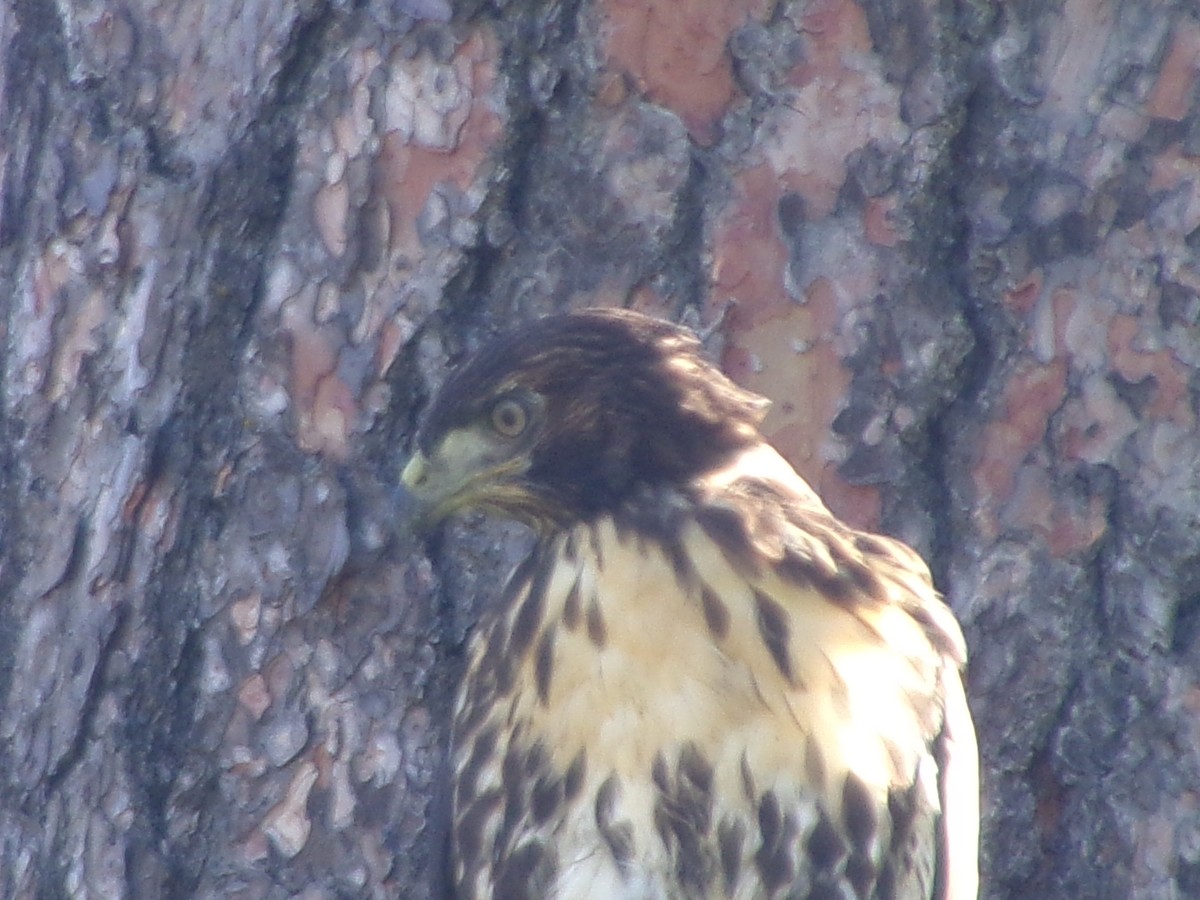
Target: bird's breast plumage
(714, 692)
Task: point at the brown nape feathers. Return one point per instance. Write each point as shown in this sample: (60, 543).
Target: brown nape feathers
(700, 683)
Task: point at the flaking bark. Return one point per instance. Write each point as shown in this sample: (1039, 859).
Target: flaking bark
(240, 243)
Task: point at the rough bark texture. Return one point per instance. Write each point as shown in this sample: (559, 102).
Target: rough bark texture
(956, 242)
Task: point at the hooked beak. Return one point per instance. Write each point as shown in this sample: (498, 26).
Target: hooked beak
(417, 502)
(433, 494)
(415, 474)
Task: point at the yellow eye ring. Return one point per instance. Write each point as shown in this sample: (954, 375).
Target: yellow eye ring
(509, 417)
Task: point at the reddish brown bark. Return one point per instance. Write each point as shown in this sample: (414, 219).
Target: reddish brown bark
(239, 244)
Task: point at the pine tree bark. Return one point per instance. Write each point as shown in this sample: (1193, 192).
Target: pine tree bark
(240, 243)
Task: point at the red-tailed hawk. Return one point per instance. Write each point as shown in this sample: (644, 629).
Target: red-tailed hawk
(700, 684)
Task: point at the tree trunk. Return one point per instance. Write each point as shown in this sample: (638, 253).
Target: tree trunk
(240, 243)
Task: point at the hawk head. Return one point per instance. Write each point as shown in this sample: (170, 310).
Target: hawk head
(564, 418)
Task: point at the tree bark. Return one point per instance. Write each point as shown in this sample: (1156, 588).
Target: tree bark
(240, 244)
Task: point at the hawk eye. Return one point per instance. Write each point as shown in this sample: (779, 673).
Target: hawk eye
(509, 417)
